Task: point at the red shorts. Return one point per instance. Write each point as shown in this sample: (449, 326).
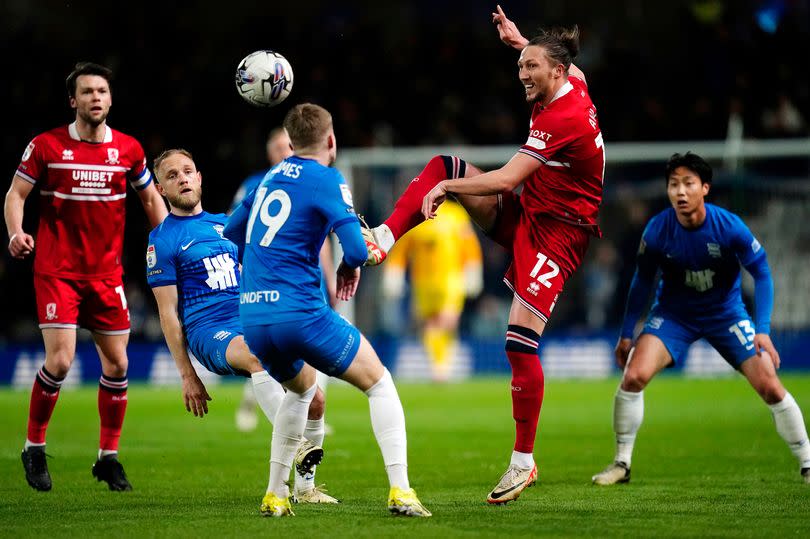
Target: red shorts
(98, 305)
(545, 253)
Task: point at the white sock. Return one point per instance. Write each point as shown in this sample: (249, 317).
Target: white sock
(287, 431)
(248, 396)
(29, 443)
(388, 423)
(628, 413)
(384, 236)
(524, 461)
(313, 432)
(790, 426)
(105, 452)
(322, 380)
(267, 393)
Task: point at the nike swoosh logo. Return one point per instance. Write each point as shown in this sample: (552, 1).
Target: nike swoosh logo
(186, 246)
(507, 491)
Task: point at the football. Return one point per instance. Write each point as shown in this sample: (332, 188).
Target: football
(264, 78)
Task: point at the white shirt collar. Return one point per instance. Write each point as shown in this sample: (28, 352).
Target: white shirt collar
(564, 89)
(74, 133)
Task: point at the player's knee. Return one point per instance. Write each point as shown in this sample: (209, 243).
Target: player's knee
(454, 167)
(118, 368)
(771, 390)
(58, 363)
(318, 405)
(635, 380)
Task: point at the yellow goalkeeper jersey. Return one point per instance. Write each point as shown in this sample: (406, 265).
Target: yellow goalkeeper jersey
(443, 257)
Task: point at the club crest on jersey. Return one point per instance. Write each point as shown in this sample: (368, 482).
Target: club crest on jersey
(50, 311)
(28, 151)
(714, 250)
(346, 194)
(655, 322)
(151, 256)
(112, 156)
(67, 155)
(220, 229)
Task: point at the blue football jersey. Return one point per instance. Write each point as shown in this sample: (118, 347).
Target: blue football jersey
(250, 183)
(281, 226)
(700, 268)
(191, 253)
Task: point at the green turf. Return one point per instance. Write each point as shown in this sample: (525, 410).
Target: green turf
(708, 463)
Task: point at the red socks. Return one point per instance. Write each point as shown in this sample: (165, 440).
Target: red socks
(43, 400)
(527, 384)
(408, 209)
(112, 405)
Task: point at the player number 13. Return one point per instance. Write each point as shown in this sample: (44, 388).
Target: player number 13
(740, 327)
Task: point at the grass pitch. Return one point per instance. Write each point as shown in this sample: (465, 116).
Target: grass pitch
(708, 463)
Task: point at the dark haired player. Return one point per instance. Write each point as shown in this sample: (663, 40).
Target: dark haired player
(82, 170)
(698, 248)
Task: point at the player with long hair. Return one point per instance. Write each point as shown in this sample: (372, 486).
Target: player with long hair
(547, 227)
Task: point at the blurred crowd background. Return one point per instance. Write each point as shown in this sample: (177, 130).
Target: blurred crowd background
(414, 74)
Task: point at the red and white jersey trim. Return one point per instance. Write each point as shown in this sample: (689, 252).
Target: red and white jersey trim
(81, 166)
(93, 198)
(26, 177)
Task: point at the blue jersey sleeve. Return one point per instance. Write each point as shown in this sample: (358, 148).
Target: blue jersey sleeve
(754, 259)
(337, 207)
(161, 269)
(643, 279)
(236, 226)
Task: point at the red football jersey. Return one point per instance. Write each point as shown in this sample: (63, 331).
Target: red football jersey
(82, 187)
(565, 137)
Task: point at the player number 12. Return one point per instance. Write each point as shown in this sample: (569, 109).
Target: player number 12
(543, 278)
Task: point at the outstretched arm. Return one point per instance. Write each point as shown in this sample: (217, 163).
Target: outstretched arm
(195, 396)
(511, 36)
(153, 204)
(501, 180)
(508, 30)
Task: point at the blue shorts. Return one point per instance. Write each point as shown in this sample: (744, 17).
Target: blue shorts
(209, 343)
(731, 333)
(327, 342)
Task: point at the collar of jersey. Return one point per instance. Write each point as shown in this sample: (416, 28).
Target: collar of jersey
(186, 217)
(564, 89)
(74, 134)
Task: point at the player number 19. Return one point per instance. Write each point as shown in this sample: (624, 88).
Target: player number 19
(261, 209)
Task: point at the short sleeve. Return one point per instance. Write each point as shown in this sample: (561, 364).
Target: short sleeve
(139, 175)
(32, 163)
(160, 263)
(549, 133)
